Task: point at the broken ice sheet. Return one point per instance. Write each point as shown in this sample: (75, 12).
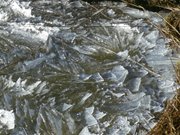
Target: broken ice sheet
(89, 110)
(135, 96)
(121, 126)
(135, 12)
(95, 51)
(70, 123)
(152, 36)
(123, 107)
(85, 131)
(134, 84)
(160, 48)
(65, 107)
(42, 89)
(27, 65)
(89, 118)
(160, 60)
(99, 115)
(20, 87)
(134, 73)
(156, 106)
(145, 122)
(76, 4)
(97, 77)
(145, 45)
(111, 13)
(109, 76)
(117, 95)
(120, 72)
(7, 119)
(123, 55)
(146, 102)
(162, 84)
(9, 82)
(67, 36)
(84, 77)
(50, 120)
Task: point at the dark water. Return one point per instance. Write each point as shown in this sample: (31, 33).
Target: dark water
(74, 68)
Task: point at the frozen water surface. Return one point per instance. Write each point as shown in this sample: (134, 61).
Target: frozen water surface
(68, 68)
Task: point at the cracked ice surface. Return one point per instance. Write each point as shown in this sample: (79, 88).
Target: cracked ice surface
(64, 73)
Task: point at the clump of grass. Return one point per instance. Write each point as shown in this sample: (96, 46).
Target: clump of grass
(178, 72)
(172, 28)
(154, 3)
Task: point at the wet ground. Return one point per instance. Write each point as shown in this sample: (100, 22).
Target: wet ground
(74, 68)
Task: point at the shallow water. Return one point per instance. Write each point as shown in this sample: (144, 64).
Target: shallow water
(73, 68)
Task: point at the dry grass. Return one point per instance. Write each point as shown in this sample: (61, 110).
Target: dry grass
(178, 72)
(154, 3)
(172, 29)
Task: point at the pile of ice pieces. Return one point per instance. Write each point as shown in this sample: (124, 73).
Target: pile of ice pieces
(122, 68)
(95, 76)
